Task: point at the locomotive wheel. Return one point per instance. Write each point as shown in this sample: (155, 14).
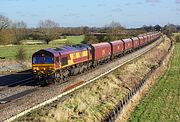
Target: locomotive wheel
(64, 79)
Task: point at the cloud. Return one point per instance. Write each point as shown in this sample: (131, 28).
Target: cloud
(3, 13)
(127, 4)
(18, 12)
(178, 1)
(84, 6)
(177, 9)
(152, 1)
(23, 15)
(100, 5)
(131, 15)
(72, 15)
(34, 15)
(139, 3)
(116, 10)
(13, 0)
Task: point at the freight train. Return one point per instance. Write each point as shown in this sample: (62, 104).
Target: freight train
(56, 64)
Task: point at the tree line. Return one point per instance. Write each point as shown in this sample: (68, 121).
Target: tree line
(48, 30)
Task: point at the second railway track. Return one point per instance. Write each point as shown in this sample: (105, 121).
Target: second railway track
(16, 90)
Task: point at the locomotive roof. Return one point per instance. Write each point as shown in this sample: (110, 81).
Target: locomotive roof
(68, 49)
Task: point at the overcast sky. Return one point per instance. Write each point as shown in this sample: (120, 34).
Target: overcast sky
(130, 13)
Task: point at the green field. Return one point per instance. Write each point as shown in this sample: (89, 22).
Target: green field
(31, 46)
(162, 104)
(9, 52)
(75, 39)
(175, 34)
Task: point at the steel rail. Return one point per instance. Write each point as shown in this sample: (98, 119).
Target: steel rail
(18, 83)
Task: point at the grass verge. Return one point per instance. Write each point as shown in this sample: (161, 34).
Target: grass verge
(162, 103)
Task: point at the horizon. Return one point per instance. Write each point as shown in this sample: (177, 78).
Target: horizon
(130, 14)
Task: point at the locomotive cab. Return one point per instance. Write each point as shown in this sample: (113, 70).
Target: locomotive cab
(44, 63)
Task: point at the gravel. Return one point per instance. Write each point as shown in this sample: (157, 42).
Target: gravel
(7, 66)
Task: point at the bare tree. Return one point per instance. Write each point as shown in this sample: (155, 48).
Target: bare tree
(48, 24)
(114, 29)
(6, 36)
(20, 24)
(4, 22)
(115, 25)
(20, 31)
(169, 29)
(48, 28)
(148, 28)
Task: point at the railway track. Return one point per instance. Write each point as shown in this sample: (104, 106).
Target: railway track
(46, 96)
(17, 83)
(17, 96)
(7, 93)
(22, 82)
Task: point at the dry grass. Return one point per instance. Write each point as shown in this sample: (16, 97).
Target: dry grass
(162, 102)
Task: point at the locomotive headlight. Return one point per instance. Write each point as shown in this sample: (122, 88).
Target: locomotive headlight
(35, 71)
(35, 68)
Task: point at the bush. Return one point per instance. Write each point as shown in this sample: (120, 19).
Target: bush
(177, 37)
(90, 39)
(64, 37)
(67, 43)
(107, 38)
(21, 54)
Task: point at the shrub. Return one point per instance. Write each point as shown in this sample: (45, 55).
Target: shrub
(64, 37)
(69, 43)
(90, 39)
(21, 54)
(177, 37)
